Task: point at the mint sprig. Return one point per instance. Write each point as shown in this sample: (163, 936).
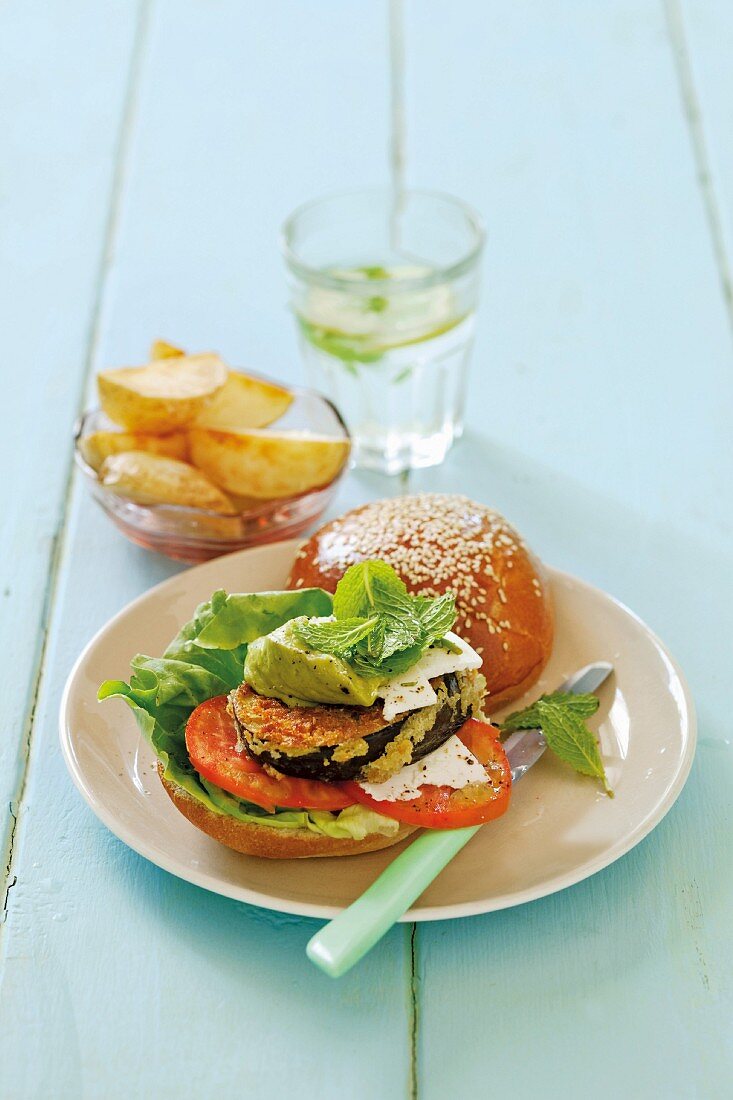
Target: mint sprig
(562, 719)
(378, 627)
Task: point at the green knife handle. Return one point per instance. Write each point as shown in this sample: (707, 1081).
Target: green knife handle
(342, 942)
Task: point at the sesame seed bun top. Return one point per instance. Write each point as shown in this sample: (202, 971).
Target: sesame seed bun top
(439, 543)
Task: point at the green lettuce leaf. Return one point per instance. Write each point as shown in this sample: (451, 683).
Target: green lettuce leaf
(355, 821)
(206, 658)
(243, 618)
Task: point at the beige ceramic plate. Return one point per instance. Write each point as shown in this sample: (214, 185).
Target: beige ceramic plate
(559, 828)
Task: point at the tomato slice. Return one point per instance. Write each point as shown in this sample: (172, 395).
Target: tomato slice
(211, 740)
(444, 807)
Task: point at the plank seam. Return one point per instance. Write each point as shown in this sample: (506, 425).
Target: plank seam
(414, 1013)
(10, 878)
(59, 544)
(693, 115)
(9, 883)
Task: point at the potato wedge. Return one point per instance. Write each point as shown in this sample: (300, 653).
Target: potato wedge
(159, 349)
(162, 396)
(97, 446)
(266, 464)
(243, 505)
(245, 402)
(153, 479)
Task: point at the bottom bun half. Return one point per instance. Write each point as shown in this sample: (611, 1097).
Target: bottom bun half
(269, 843)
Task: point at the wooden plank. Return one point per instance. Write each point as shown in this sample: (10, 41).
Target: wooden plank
(599, 404)
(121, 980)
(584, 347)
(65, 73)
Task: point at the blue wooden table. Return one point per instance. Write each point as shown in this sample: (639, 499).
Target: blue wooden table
(149, 153)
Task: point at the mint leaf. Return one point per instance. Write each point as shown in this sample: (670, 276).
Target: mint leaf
(436, 616)
(529, 718)
(569, 738)
(391, 666)
(338, 637)
(562, 719)
(373, 645)
(400, 631)
(367, 587)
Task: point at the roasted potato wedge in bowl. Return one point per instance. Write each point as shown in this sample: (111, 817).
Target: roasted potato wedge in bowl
(146, 478)
(98, 446)
(138, 465)
(266, 464)
(164, 395)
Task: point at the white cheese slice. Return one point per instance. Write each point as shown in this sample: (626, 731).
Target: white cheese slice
(452, 765)
(411, 690)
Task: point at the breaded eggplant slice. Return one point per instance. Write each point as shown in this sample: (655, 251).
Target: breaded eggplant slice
(342, 742)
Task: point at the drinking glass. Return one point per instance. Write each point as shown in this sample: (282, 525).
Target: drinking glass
(384, 293)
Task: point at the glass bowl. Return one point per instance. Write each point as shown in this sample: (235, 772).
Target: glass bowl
(195, 534)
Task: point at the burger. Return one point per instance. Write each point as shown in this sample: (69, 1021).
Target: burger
(338, 716)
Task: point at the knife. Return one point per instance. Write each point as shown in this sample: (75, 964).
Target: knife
(347, 938)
